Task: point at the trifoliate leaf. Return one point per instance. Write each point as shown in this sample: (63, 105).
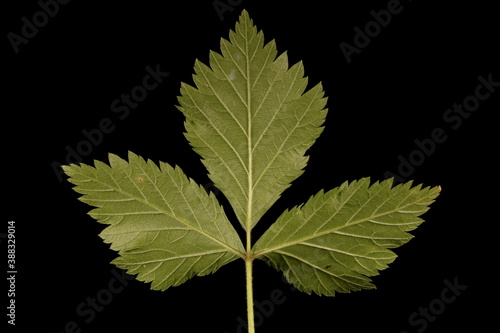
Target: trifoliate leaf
(339, 238)
(166, 227)
(250, 120)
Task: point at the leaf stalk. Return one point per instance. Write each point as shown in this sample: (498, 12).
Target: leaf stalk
(249, 283)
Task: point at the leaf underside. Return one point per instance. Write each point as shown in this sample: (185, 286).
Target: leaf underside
(165, 227)
(339, 238)
(250, 120)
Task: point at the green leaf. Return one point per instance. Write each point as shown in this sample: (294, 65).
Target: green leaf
(166, 227)
(339, 238)
(250, 120)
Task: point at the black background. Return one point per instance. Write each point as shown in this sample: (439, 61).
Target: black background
(393, 92)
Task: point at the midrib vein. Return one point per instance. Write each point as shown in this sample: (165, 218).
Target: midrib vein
(332, 230)
(249, 147)
(159, 209)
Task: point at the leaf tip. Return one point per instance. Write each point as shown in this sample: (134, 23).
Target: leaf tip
(68, 168)
(245, 14)
(437, 190)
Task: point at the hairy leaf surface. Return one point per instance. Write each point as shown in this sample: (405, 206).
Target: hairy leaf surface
(250, 120)
(339, 238)
(166, 227)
